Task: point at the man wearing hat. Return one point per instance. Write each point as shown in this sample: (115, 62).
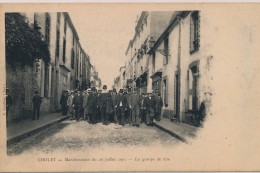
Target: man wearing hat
(98, 113)
(204, 109)
(9, 102)
(104, 97)
(128, 94)
(121, 105)
(78, 105)
(63, 102)
(70, 105)
(85, 100)
(158, 106)
(92, 106)
(110, 107)
(149, 105)
(135, 106)
(114, 97)
(142, 112)
(37, 100)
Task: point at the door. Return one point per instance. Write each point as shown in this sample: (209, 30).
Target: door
(177, 96)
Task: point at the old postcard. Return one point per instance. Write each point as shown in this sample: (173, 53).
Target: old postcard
(130, 87)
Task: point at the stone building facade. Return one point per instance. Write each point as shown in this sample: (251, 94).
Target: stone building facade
(173, 56)
(149, 25)
(69, 68)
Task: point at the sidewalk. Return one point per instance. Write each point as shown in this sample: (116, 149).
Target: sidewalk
(19, 130)
(181, 131)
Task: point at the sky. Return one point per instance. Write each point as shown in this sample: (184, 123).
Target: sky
(105, 34)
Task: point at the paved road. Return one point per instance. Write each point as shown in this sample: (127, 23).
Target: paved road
(70, 136)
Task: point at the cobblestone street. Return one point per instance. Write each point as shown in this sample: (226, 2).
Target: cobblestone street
(76, 136)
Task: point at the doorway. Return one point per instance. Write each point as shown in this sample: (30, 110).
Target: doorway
(177, 96)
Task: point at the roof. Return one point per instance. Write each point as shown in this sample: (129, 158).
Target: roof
(66, 14)
(128, 47)
(173, 23)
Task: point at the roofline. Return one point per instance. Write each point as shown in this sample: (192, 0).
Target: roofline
(66, 14)
(169, 28)
(128, 47)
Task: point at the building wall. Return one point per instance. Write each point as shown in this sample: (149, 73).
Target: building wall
(181, 33)
(169, 71)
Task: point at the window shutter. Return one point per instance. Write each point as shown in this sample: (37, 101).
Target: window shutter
(190, 89)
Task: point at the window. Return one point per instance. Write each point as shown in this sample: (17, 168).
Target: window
(72, 58)
(65, 27)
(58, 36)
(47, 29)
(165, 93)
(64, 50)
(194, 32)
(77, 70)
(46, 80)
(64, 80)
(166, 50)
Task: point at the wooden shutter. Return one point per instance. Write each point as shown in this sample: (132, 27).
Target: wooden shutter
(190, 89)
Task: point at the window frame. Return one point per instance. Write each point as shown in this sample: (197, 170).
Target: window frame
(194, 32)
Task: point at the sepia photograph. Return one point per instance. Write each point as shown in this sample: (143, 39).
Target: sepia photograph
(128, 87)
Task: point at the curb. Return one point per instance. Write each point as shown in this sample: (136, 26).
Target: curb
(170, 132)
(30, 133)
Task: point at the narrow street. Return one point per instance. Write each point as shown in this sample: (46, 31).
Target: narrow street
(76, 136)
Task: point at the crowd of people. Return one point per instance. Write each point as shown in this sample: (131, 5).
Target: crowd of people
(109, 106)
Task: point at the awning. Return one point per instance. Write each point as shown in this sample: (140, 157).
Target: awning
(144, 75)
(157, 74)
(65, 68)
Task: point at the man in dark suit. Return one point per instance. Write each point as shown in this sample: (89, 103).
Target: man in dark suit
(128, 111)
(121, 105)
(158, 107)
(110, 107)
(104, 97)
(37, 100)
(135, 106)
(114, 97)
(92, 106)
(85, 103)
(149, 104)
(63, 102)
(78, 104)
(98, 113)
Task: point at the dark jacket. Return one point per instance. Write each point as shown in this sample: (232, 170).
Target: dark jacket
(149, 103)
(158, 103)
(63, 100)
(135, 101)
(114, 97)
(78, 101)
(128, 98)
(37, 100)
(99, 100)
(110, 105)
(91, 104)
(103, 99)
